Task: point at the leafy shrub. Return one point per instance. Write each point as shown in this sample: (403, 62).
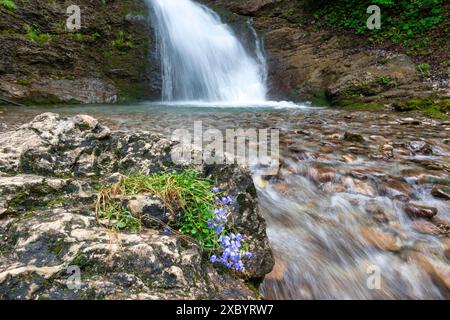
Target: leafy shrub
(8, 4)
(401, 21)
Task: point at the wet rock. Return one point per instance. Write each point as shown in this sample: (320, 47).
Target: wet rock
(396, 189)
(357, 150)
(410, 122)
(378, 138)
(421, 147)
(353, 137)
(381, 239)
(278, 271)
(376, 212)
(281, 187)
(386, 148)
(438, 270)
(322, 174)
(421, 176)
(431, 164)
(418, 211)
(424, 226)
(442, 224)
(333, 188)
(360, 174)
(441, 193)
(349, 158)
(358, 187)
(66, 69)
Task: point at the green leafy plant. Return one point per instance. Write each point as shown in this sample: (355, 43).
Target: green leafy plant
(424, 69)
(8, 4)
(388, 81)
(33, 34)
(123, 41)
(120, 218)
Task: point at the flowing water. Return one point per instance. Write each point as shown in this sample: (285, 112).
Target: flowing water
(202, 59)
(336, 211)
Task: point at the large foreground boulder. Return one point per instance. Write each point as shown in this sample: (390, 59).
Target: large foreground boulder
(53, 247)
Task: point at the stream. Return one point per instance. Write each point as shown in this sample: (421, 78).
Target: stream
(359, 208)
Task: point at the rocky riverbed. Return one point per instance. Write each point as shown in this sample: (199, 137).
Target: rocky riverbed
(355, 190)
(50, 173)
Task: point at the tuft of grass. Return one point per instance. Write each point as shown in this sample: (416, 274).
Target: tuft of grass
(8, 5)
(123, 41)
(424, 69)
(33, 34)
(184, 192)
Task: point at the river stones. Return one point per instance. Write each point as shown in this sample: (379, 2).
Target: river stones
(441, 193)
(322, 174)
(427, 227)
(410, 122)
(418, 211)
(421, 147)
(438, 270)
(381, 239)
(353, 137)
(396, 189)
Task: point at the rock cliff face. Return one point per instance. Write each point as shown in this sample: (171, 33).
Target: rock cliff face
(113, 57)
(110, 59)
(314, 64)
(50, 173)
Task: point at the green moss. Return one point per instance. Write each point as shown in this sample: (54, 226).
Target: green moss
(254, 287)
(320, 99)
(23, 82)
(357, 105)
(18, 200)
(57, 247)
(436, 113)
(90, 38)
(437, 109)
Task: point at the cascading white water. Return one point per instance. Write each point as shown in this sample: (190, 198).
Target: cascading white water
(202, 60)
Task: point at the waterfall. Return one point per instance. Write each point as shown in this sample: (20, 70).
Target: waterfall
(202, 59)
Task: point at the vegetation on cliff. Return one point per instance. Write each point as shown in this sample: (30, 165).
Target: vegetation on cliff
(420, 28)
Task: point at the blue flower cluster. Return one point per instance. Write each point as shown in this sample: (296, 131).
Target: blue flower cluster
(232, 252)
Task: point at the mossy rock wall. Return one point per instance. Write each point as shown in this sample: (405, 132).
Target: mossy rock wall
(110, 59)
